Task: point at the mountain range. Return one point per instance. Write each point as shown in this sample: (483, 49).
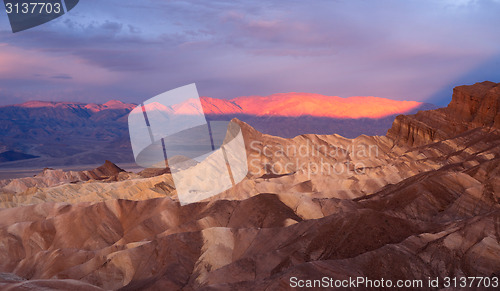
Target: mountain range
(423, 202)
(39, 134)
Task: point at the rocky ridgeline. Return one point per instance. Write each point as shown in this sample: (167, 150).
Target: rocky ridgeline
(108, 172)
(472, 106)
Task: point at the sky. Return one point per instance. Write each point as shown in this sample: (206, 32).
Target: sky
(133, 50)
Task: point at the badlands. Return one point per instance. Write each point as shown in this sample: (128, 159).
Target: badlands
(420, 202)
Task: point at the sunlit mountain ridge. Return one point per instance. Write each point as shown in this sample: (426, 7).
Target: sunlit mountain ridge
(281, 104)
(300, 104)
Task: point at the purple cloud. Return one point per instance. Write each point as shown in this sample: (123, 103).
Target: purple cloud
(129, 50)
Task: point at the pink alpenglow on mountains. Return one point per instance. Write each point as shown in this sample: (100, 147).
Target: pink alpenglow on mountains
(295, 105)
(281, 104)
(307, 104)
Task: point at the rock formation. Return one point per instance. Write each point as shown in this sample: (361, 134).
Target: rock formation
(472, 106)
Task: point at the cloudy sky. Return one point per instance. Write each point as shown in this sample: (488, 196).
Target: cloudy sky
(133, 50)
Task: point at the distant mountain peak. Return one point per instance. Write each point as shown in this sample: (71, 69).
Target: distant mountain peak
(38, 103)
(114, 103)
(220, 106)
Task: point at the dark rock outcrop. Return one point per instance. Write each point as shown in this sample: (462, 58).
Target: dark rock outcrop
(108, 169)
(472, 106)
(476, 105)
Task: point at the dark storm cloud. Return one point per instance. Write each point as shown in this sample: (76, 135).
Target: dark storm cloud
(131, 50)
(62, 77)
